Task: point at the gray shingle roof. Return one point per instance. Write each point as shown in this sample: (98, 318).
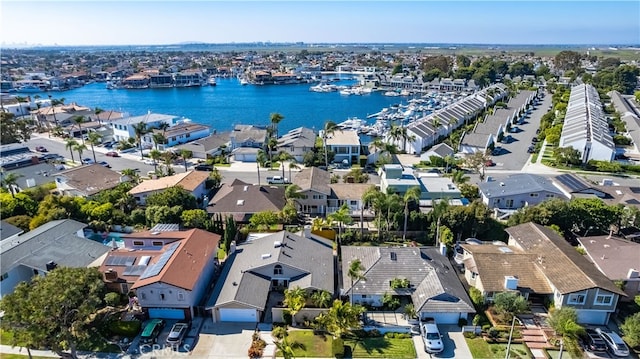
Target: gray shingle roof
(54, 241)
(435, 285)
(7, 230)
(240, 198)
(521, 183)
(313, 178)
(313, 256)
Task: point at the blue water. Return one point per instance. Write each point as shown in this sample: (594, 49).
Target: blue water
(98, 237)
(230, 103)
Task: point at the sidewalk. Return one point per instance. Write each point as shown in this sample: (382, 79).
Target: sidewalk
(7, 349)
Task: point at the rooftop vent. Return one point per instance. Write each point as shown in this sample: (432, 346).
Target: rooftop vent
(266, 255)
(501, 184)
(246, 188)
(394, 256)
(277, 244)
(155, 233)
(240, 202)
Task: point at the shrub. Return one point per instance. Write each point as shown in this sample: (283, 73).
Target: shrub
(486, 327)
(125, 328)
(279, 332)
(493, 333)
(337, 347)
(288, 318)
(469, 335)
(112, 299)
(375, 333)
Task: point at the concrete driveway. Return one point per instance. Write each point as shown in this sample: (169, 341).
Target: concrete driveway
(455, 345)
(223, 340)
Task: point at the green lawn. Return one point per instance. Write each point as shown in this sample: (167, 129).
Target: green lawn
(380, 348)
(554, 354)
(20, 356)
(306, 344)
(481, 349)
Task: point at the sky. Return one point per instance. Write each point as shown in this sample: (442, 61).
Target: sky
(124, 22)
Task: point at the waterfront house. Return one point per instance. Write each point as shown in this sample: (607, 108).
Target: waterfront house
(345, 144)
(540, 265)
(168, 269)
(314, 190)
(585, 126)
(59, 243)
(87, 180)
(258, 271)
(248, 136)
(207, 147)
(441, 150)
(420, 274)
(351, 195)
(395, 178)
(616, 258)
(297, 142)
(123, 129)
(517, 191)
(178, 134)
(193, 182)
(241, 200)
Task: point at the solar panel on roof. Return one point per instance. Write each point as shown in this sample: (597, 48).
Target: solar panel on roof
(156, 268)
(134, 270)
(120, 261)
(571, 182)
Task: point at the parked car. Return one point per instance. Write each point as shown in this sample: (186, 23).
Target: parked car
(489, 163)
(616, 345)
(112, 154)
(41, 149)
(277, 180)
(592, 341)
(203, 167)
(151, 331)
(535, 140)
(177, 333)
(431, 336)
(105, 164)
(87, 161)
(531, 149)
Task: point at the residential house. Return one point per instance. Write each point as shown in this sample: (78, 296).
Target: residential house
(345, 144)
(123, 129)
(298, 142)
(192, 181)
(518, 191)
(175, 135)
(8, 231)
(248, 136)
(616, 258)
(241, 200)
(169, 270)
(59, 243)
(431, 283)
(351, 195)
(585, 126)
(575, 186)
(207, 147)
(257, 271)
(441, 150)
(397, 179)
(314, 189)
(434, 188)
(542, 266)
(87, 180)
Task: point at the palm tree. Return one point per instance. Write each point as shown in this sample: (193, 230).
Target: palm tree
(321, 298)
(186, 155)
(398, 133)
(292, 192)
(261, 158)
(342, 216)
(367, 197)
(140, 129)
(133, 175)
(126, 202)
(167, 157)
(355, 273)
(459, 177)
(155, 155)
(293, 165)
(70, 144)
(20, 100)
(55, 102)
(97, 111)
(285, 347)
(295, 299)
(412, 195)
(94, 139)
(272, 145)
(329, 128)
(79, 120)
(80, 147)
(10, 180)
(283, 157)
(158, 139)
(163, 126)
(275, 120)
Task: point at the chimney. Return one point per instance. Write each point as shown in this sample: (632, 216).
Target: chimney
(51, 265)
(510, 282)
(443, 249)
(110, 274)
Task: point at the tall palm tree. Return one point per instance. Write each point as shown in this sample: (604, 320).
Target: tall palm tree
(158, 139)
(163, 126)
(283, 157)
(133, 175)
(70, 144)
(167, 157)
(21, 100)
(140, 129)
(412, 195)
(292, 193)
(155, 156)
(275, 119)
(367, 197)
(186, 155)
(329, 128)
(97, 111)
(10, 180)
(342, 216)
(261, 158)
(94, 139)
(293, 165)
(80, 147)
(55, 102)
(79, 120)
(355, 273)
(272, 145)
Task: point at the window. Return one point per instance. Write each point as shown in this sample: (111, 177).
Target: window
(578, 298)
(549, 196)
(277, 270)
(4, 276)
(138, 243)
(603, 298)
(161, 296)
(124, 287)
(364, 296)
(157, 243)
(187, 135)
(180, 295)
(509, 203)
(533, 194)
(143, 295)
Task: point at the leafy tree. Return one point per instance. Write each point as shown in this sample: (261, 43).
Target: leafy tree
(469, 191)
(173, 196)
(565, 322)
(321, 298)
(195, 218)
(263, 220)
(112, 299)
(631, 330)
(162, 214)
(357, 175)
(510, 303)
(341, 318)
(355, 273)
(343, 217)
(295, 299)
(567, 155)
(477, 298)
(13, 130)
(53, 311)
(446, 237)
(625, 79)
(140, 129)
(567, 60)
(20, 221)
(411, 196)
(94, 139)
(477, 162)
(230, 232)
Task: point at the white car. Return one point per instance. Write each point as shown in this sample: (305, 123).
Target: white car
(148, 161)
(431, 337)
(616, 345)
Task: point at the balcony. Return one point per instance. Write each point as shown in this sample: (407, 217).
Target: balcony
(354, 211)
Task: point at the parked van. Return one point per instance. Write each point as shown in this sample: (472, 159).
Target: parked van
(151, 331)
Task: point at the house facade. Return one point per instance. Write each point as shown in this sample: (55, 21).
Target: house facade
(314, 190)
(298, 142)
(192, 181)
(123, 128)
(87, 180)
(345, 144)
(518, 191)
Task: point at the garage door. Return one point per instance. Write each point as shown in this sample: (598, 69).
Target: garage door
(443, 318)
(238, 315)
(592, 317)
(166, 313)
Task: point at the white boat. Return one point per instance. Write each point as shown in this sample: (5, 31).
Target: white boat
(346, 92)
(243, 81)
(391, 93)
(212, 81)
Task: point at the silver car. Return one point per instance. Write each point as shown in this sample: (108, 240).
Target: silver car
(616, 345)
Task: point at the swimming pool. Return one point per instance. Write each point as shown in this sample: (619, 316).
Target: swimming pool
(106, 238)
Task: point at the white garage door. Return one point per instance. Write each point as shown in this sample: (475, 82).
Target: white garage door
(592, 317)
(443, 318)
(166, 313)
(238, 315)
